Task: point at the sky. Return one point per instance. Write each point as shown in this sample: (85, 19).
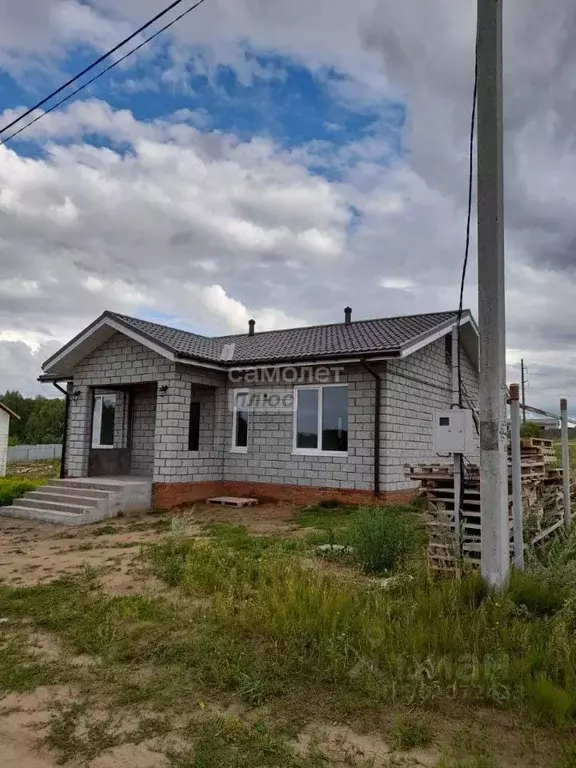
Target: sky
(281, 159)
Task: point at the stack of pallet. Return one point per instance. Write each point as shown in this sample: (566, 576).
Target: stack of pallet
(542, 504)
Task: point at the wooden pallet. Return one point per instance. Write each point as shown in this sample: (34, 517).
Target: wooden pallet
(536, 442)
(232, 501)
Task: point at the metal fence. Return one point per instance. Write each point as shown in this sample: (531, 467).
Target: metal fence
(34, 452)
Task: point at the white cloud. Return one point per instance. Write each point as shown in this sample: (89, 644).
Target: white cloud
(182, 206)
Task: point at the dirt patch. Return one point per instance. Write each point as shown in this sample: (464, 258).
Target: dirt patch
(342, 746)
(131, 756)
(23, 718)
(38, 553)
(262, 520)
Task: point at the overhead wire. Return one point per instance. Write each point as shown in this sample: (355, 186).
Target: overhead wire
(91, 66)
(100, 74)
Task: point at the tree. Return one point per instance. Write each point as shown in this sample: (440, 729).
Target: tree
(41, 418)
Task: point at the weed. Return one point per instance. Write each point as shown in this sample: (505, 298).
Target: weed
(226, 742)
(104, 530)
(470, 749)
(20, 670)
(11, 489)
(327, 517)
(568, 759)
(72, 733)
(383, 538)
(539, 592)
(410, 731)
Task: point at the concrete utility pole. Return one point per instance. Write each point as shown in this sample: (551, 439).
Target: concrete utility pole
(566, 463)
(523, 381)
(491, 298)
(516, 460)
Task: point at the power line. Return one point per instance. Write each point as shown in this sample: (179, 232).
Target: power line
(90, 67)
(469, 217)
(96, 77)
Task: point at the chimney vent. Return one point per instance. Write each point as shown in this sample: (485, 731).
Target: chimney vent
(251, 326)
(348, 315)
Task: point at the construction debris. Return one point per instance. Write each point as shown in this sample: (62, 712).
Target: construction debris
(542, 499)
(233, 501)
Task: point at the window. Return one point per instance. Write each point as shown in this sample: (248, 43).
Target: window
(194, 427)
(321, 419)
(103, 421)
(240, 423)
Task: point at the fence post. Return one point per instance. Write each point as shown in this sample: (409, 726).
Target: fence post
(566, 463)
(516, 452)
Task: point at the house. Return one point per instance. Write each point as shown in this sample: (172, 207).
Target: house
(5, 415)
(302, 414)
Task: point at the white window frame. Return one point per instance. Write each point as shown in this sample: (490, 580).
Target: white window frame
(238, 448)
(313, 451)
(97, 421)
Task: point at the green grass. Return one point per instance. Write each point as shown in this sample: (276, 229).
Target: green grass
(250, 622)
(571, 450)
(470, 749)
(11, 489)
(227, 742)
(422, 641)
(410, 731)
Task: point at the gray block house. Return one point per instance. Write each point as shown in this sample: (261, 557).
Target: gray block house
(325, 411)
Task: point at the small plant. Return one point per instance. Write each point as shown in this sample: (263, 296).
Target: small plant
(10, 490)
(539, 592)
(530, 429)
(383, 538)
(409, 733)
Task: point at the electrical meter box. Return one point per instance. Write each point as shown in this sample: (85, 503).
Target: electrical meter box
(453, 431)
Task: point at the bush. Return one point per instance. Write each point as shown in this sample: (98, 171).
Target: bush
(531, 429)
(13, 489)
(540, 592)
(383, 538)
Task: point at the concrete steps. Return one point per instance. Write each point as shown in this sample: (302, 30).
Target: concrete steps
(83, 500)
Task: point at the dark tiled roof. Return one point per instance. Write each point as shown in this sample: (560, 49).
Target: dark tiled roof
(385, 336)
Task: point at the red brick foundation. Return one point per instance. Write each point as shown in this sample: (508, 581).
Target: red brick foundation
(171, 495)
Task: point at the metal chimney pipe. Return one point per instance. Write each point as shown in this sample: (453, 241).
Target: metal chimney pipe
(251, 326)
(348, 315)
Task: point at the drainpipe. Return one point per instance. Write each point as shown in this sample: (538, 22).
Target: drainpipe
(65, 438)
(377, 411)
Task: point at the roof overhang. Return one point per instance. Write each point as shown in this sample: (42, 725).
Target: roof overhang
(9, 411)
(61, 365)
(469, 337)
(97, 333)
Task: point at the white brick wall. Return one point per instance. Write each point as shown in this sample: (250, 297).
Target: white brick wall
(270, 440)
(407, 413)
(4, 428)
(160, 439)
(143, 432)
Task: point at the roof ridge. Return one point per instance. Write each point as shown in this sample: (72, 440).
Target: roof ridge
(161, 325)
(333, 325)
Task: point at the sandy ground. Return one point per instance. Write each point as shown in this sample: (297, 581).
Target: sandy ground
(35, 553)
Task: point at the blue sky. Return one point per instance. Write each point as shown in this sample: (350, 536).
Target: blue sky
(279, 160)
(278, 98)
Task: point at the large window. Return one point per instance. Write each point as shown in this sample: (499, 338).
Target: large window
(321, 419)
(240, 422)
(194, 427)
(103, 421)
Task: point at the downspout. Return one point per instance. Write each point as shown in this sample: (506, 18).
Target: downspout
(377, 412)
(65, 437)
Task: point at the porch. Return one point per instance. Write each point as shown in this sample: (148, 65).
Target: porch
(122, 431)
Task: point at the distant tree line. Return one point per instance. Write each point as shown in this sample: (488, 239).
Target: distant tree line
(41, 419)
